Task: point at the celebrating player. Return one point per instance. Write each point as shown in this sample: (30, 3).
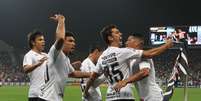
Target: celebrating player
(114, 63)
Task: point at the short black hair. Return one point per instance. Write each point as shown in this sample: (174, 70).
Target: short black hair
(69, 34)
(93, 47)
(179, 28)
(32, 37)
(139, 36)
(107, 31)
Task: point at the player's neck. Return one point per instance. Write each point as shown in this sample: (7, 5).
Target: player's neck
(36, 50)
(91, 58)
(114, 44)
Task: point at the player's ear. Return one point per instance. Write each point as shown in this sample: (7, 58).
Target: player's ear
(96, 51)
(110, 38)
(33, 43)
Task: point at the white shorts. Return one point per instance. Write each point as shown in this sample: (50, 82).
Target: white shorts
(155, 96)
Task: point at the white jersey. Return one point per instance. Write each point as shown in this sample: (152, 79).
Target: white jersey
(95, 93)
(114, 63)
(58, 68)
(37, 75)
(147, 88)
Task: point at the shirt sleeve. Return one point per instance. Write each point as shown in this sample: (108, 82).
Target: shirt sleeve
(71, 69)
(84, 67)
(144, 64)
(129, 53)
(53, 52)
(27, 60)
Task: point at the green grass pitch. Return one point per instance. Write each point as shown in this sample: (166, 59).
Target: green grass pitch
(72, 93)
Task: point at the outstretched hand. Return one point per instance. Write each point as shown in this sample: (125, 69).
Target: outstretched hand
(169, 42)
(42, 60)
(58, 17)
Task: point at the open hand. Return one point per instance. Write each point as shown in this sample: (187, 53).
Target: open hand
(58, 17)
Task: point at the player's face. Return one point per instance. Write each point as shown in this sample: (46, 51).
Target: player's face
(98, 53)
(39, 43)
(69, 44)
(116, 36)
(133, 42)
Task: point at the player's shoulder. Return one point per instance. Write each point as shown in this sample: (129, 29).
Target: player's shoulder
(52, 48)
(43, 53)
(85, 61)
(112, 50)
(125, 50)
(30, 53)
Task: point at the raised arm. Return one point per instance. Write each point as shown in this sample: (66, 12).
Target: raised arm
(157, 51)
(60, 31)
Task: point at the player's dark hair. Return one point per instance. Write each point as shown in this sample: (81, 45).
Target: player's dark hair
(139, 36)
(178, 28)
(107, 31)
(93, 47)
(32, 37)
(69, 34)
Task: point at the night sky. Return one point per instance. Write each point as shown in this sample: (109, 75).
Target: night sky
(87, 17)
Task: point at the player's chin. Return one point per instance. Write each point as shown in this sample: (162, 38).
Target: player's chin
(42, 48)
(72, 49)
(121, 43)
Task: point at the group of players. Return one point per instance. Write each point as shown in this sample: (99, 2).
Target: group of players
(120, 67)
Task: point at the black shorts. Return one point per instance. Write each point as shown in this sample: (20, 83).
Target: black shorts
(36, 99)
(124, 100)
(33, 98)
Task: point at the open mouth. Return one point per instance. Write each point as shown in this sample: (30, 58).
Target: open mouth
(73, 48)
(43, 45)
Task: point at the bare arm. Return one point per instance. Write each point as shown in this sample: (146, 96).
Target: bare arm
(60, 31)
(138, 76)
(30, 68)
(157, 51)
(79, 74)
(135, 77)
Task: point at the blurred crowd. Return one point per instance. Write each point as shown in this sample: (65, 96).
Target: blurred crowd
(10, 72)
(165, 63)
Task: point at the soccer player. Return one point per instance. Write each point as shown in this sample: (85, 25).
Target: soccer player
(32, 63)
(58, 67)
(114, 63)
(88, 65)
(143, 73)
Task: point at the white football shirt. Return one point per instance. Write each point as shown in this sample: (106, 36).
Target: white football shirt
(114, 64)
(37, 75)
(58, 68)
(147, 88)
(95, 93)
